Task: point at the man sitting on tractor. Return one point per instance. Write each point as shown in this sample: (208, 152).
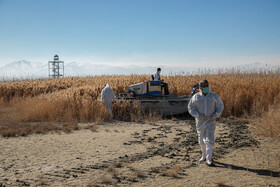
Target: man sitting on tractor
(156, 77)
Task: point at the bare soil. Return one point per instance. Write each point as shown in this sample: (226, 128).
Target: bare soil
(162, 153)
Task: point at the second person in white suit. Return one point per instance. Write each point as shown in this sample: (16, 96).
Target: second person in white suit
(108, 96)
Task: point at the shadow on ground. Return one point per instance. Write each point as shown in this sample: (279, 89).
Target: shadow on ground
(257, 171)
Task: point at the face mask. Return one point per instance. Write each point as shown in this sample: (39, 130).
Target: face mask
(205, 90)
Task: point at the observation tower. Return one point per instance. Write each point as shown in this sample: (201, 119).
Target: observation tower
(56, 68)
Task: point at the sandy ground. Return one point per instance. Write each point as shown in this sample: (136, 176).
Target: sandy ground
(163, 153)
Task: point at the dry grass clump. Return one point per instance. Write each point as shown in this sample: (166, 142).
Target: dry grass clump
(140, 174)
(93, 128)
(113, 171)
(220, 182)
(172, 172)
(67, 128)
(42, 182)
(118, 164)
(129, 165)
(104, 179)
(14, 129)
(155, 170)
(22, 129)
(270, 123)
(148, 139)
(232, 117)
(132, 178)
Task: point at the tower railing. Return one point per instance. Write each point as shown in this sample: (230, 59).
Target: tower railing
(56, 68)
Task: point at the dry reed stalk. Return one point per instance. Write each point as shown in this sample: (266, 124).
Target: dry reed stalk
(77, 99)
(270, 123)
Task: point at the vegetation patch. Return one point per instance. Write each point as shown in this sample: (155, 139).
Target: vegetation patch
(15, 129)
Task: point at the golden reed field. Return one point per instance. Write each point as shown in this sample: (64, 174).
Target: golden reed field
(65, 137)
(76, 99)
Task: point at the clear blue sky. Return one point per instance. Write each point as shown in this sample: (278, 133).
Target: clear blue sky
(141, 32)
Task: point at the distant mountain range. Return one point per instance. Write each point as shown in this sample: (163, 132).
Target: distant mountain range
(25, 70)
(32, 70)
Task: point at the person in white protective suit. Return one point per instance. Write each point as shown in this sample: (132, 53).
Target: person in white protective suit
(206, 107)
(156, 77)
(108, 96)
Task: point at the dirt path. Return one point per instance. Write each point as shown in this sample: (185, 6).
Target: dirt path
(163, 153)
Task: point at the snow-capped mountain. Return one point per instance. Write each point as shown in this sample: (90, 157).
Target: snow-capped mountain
(24, 69)
(32, 70)
(254, 66)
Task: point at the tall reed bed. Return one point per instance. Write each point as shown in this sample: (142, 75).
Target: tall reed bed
(270, 123)
(77, 99)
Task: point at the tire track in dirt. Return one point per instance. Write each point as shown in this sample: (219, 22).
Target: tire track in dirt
(235, 137)
(183, 151)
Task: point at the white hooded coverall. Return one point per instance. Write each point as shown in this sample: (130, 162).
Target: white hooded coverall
(157, 76)
(108, 96)
(209, 105)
